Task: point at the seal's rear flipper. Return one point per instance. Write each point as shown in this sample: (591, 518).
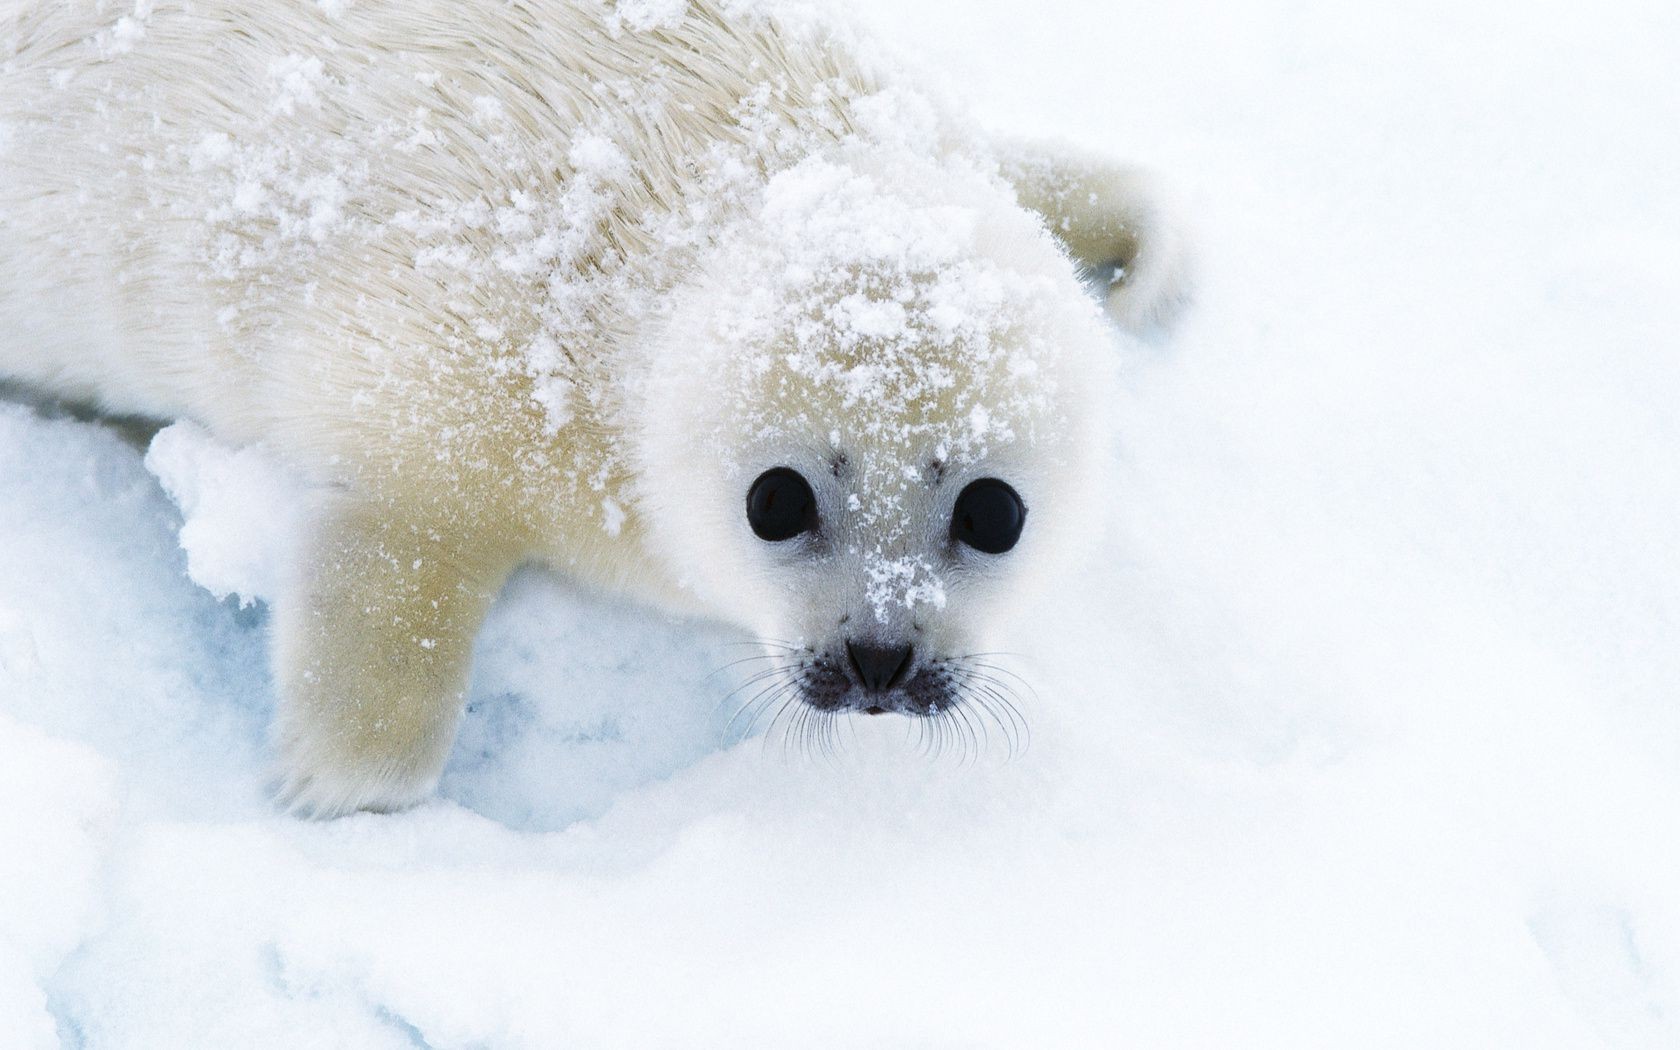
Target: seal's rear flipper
(1113, 222)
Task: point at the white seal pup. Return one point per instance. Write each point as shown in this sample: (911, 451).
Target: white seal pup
(688, 301)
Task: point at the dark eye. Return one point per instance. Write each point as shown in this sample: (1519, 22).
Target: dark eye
(780, 505)
(988, 516)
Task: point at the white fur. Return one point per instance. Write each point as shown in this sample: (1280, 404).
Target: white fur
(486, 273)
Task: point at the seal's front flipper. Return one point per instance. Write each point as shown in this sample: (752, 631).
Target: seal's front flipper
(372, 650)
(1112, 220)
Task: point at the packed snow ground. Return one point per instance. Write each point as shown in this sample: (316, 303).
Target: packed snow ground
(1363, 731)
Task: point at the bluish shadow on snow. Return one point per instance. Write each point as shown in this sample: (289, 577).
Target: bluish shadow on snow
(104, 639)
(576, 699)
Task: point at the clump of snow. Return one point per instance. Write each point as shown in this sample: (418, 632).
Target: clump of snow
(127, 31)
(643, 15)
(243, 511)
(294, 81)
(906, 581)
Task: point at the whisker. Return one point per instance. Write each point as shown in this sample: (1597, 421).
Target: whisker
(936, 726)
(996, 669)
(794, 733)
(988, 716)
(981, 682)
(980, 724)
(971, 740)
(791, 740)
(971, 693)
(737, 663)
(1017, 718)
(828, 737)
(781, 709)
(772, 688)
(1005, 695)
(759, 676)
(970, 665)
(768, 643)
(781, 694)
(1007, 726)
(921, 735)
(808, 732)
(768, 673)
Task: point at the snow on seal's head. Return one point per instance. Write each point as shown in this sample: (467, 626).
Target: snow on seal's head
(870, 422)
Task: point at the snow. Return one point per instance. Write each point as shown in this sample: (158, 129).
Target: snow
(1360, 730)
(243, 511)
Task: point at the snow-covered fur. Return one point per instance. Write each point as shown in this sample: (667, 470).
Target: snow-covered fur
(554, 280)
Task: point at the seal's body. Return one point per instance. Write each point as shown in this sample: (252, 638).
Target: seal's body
(695, 306)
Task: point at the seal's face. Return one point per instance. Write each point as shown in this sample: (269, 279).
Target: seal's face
(886, 429)
(893, 648)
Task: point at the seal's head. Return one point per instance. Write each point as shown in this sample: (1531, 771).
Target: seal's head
(870, 424)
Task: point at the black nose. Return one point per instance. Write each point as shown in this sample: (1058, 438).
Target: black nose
(878, 667)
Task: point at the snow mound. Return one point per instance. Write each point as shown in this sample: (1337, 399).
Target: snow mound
(243, 512)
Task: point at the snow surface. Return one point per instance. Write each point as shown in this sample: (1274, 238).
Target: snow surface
(1366, 733)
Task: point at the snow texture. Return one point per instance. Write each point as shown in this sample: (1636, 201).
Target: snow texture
(242, 511)
(1362, 732)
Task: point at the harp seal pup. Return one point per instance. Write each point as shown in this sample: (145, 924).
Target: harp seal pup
(695, 303)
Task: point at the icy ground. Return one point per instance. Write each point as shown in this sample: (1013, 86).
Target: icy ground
(1365, 732)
